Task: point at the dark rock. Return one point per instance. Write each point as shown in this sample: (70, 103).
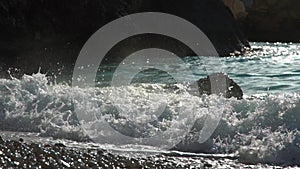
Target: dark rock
(221, 83)
(100, 152)
(21, 140)
(207, 165)
(42, 33)
(16, 144)
(36, 149)
(1, 140)
(59, 145)
(272, 20)
(232, 88)
(237, 7)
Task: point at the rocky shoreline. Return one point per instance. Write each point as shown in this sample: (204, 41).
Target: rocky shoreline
(21, 153)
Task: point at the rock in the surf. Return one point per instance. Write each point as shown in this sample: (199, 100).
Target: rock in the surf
(222, 83)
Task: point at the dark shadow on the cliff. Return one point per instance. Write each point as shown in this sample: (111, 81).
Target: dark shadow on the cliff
(50, 33)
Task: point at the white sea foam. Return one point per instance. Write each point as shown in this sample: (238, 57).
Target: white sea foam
(261, 128)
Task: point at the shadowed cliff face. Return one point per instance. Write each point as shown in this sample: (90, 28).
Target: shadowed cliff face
(268, 20)
(274, 20)
(50, 33)
(237, 7)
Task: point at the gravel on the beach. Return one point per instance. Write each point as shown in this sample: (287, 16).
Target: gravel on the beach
(20, 154)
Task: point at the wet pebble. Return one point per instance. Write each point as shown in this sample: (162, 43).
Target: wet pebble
(1, 140)
(21, 139)
(14, 154)
(59, 145)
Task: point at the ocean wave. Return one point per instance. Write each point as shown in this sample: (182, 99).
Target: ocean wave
(259, 129)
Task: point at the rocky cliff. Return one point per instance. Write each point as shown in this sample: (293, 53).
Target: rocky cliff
(268, 20)
(237, 7)
(50, 33)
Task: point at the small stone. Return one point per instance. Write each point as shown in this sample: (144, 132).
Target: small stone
(21, 140)
(36, 149)
(100, 152)
(16, 144)
(65, 163)
(59, 145)
(207, 165)
(1, 140)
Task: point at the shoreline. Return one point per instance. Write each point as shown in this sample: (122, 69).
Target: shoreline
(17, 152)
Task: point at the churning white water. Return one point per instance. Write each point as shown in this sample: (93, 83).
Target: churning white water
(259, 128)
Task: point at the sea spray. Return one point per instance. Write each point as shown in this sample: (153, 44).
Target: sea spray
(258, 128)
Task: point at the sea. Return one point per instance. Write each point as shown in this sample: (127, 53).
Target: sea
(261, 128)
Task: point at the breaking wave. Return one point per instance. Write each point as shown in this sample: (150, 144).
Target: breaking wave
(259, 128)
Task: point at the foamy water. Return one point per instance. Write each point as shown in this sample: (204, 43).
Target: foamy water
(259, 128)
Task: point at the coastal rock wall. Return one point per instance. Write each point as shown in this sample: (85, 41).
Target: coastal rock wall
(268, 20)
(50, 33)
(274, 20)
(237, 8)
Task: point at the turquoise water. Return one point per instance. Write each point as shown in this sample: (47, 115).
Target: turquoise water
(269, 68)
(264, 128)
(272, 68)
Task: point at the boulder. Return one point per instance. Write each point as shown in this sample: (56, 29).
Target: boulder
(222, 81)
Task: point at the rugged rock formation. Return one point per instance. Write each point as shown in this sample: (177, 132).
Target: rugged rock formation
(50, 33)
(268, 20)
(274, 20)
(237, 8)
